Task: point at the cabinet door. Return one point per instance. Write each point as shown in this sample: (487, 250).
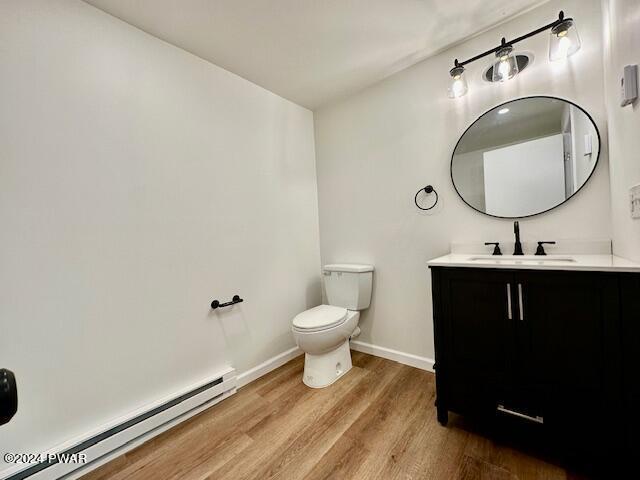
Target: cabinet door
(476, 337)
(565, 371)
(630, 295)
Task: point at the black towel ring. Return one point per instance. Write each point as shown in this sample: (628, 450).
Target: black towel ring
(428, 190)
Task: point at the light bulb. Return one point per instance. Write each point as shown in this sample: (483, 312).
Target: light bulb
(564, 45)
(457, 87)
(504, 69)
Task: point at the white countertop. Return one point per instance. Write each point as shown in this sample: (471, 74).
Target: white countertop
(601, 263)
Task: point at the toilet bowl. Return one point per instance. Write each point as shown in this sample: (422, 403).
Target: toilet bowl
(323, 332)
(325, 342)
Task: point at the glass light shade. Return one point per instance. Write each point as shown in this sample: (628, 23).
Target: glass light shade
(458, 86)
(564, 40)
(506, 66)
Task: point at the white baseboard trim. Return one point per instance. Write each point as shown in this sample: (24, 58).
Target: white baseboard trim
(266, 367)
(422, 363)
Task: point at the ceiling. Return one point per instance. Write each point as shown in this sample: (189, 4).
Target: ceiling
(526, 118)
(313, 51)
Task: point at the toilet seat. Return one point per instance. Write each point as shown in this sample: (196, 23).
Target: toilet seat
(320, 318)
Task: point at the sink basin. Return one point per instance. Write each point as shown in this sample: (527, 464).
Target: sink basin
(523, 259)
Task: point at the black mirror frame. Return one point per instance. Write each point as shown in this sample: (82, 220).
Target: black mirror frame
(506, 103)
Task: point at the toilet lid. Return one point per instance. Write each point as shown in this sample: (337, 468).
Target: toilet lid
(320, 317)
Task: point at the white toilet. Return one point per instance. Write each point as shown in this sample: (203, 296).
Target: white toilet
(323, 332)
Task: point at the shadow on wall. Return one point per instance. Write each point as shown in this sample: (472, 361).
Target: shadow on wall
(368, 316)
(239, 337)
(235, 327)
(314, 293)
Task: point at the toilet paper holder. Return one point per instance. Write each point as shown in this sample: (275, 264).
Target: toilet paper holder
(236, 299)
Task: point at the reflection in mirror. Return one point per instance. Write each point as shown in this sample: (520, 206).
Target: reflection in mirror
(525, 157)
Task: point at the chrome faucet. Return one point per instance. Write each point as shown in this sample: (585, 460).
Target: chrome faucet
(518, 246)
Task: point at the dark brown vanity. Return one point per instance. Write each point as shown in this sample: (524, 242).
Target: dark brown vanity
(558, 351)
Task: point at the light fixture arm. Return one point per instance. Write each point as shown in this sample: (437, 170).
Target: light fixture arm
(504, 42)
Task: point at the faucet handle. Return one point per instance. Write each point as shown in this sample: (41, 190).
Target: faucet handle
(540, 249)
(496, 250)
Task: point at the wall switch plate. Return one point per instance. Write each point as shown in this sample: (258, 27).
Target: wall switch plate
(629, 85)
(634, 194)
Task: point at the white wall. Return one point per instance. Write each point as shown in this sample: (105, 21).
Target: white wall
(376, 149)
(621, 29)
(138, 183)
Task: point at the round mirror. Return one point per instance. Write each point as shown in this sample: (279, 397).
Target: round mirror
(525, 157)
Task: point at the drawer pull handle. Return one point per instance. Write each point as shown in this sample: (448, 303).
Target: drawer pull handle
(521, 303)
(509, 310)
(536, 419)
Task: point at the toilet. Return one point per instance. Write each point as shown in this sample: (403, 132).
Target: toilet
(323, 332)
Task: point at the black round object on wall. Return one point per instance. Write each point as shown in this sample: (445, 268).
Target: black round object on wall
(8, 396)
(428, 190)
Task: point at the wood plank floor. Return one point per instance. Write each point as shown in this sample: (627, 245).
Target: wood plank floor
(377, 422)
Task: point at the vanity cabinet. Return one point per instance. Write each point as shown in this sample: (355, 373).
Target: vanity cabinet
(537, 347)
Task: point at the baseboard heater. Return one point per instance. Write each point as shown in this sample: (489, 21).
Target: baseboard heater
(131, 432)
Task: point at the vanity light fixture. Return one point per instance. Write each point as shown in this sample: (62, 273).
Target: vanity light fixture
(564, 42)
(458, 86)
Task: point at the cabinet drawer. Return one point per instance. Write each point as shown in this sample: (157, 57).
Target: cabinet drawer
(473, 398)
(572, 421)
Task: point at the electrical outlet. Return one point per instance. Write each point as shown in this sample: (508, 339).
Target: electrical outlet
(634, 198)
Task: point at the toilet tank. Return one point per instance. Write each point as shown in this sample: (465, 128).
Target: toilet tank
(348, 285)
